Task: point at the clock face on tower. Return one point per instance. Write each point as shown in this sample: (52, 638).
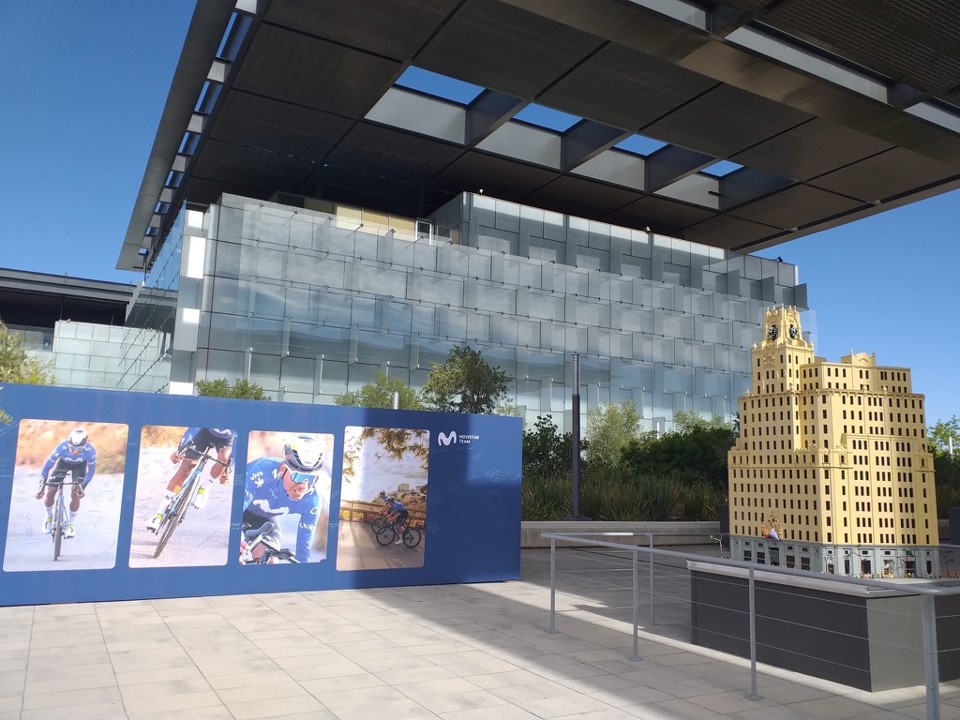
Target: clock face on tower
(773, 332)
(794, 332)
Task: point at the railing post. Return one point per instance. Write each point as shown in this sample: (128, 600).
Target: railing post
(931, 663)
(751, 589)
(553, 586)
(653, 611)
(636, 590)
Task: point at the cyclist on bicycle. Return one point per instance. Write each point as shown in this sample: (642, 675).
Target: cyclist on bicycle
(200, 440)
(278, 486)
(75, 455)
(397, 515)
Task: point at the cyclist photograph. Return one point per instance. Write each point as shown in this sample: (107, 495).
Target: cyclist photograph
(189, 464)
(200, 440)
(57, 463)
(286, 498)
(76, 456)
(398, 516)
(383, 498)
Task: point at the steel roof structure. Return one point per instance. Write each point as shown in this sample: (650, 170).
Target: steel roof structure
(734, 123)
(30, 299)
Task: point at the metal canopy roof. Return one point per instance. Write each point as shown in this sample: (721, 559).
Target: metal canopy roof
(835, 111)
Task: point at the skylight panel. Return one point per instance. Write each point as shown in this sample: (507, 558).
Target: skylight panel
(437, 85)
(640, 145)
(721, 168)
(547, 118)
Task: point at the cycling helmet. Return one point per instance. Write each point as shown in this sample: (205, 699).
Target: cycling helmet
(303, 453)
(77, 438)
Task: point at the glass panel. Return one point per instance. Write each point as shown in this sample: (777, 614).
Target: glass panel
(382, 281)
(269, 300)
(363, 314)
(333, 377)
(378, 347)
(223, 363)
(478, 327)
(297, 374)
(266, 335)
(495, 298)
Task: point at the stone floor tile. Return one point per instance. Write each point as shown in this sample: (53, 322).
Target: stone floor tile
(279, 708)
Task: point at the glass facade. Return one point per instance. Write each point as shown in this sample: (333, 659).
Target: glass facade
(311, 304)
(81, 354)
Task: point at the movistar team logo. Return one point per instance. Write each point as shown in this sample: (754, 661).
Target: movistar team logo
(449, 438)
(452, 438)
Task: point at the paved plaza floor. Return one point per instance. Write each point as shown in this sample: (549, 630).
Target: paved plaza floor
(458, 652)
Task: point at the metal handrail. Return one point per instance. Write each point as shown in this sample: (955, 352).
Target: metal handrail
(928, 592)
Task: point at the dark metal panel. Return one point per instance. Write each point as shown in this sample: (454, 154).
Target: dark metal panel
(812, 149)
(659, 214)
(730, 232)
(748, 184)
(255, 121)
(502, 48)
(203, 191)
(795, 207)
(577, 196)
(391, 153)
(725, 121)
(251, 167)
(497, 176)
(622, 22)
(625, 88)
(914, 41)
(394, 28)
(889, 174)
(302, 70)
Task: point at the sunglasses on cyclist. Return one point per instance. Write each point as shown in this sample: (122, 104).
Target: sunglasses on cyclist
(75, 450)
(299, 478)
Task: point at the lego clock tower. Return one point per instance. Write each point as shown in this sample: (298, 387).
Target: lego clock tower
(831, 471)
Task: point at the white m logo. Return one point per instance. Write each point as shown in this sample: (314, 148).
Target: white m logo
(450, 437)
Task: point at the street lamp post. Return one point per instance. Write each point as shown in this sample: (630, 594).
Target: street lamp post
(575, 426)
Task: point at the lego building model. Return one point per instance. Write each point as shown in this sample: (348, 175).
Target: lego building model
(831, 472)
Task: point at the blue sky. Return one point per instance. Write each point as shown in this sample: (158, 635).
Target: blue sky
(82, 87)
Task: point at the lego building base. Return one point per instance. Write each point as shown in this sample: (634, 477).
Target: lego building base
(864, 637)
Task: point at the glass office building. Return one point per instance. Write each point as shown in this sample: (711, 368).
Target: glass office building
(311, 303)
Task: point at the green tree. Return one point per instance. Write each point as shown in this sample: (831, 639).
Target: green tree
(610, 429)
(941, 435)
(696, 449)
(17, 365)
(379, 394)
(465, 383)
(241, 389)
(546, 451)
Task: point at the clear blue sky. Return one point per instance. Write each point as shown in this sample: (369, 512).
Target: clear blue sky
(82, 87)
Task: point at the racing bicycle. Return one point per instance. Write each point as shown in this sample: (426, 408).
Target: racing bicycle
(267, 537)
(379, 522)
(60, 515)
(387, 535)
(177, 510)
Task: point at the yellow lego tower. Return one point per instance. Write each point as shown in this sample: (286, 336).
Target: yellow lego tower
(831, 471)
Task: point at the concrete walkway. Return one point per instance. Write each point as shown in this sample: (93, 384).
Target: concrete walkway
(458, 652)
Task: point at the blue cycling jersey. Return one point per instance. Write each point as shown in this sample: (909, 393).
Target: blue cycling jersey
(67, 459)
(398, 507)
(225, 435)
(265, 496)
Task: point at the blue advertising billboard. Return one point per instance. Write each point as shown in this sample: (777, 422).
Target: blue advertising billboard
(115, 496)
